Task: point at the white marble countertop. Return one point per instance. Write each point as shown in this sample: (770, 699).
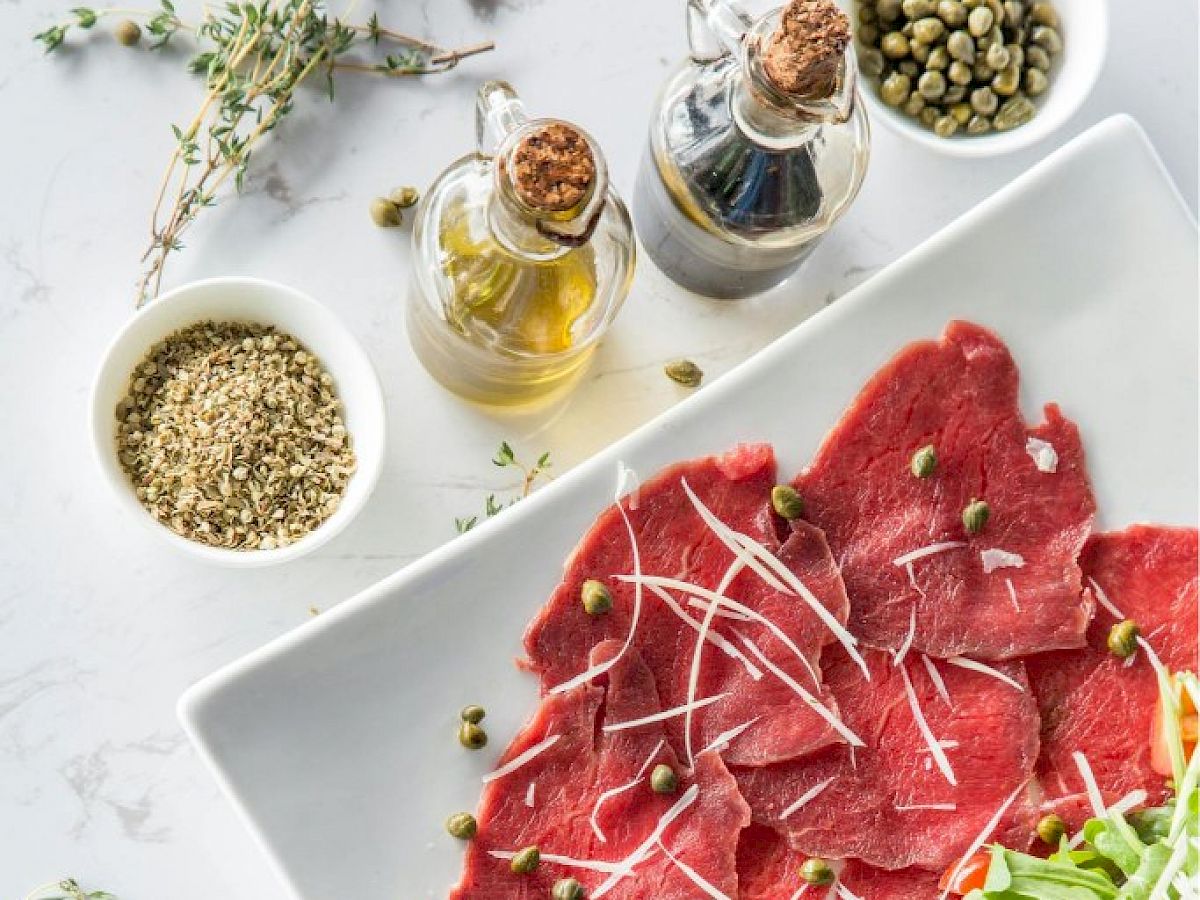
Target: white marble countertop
(101, 625)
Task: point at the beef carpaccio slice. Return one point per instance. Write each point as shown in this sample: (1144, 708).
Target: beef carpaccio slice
(675, 542)
(959, 395)
(888, 803)
(569, 778)
(1090, 701)
(768, 869)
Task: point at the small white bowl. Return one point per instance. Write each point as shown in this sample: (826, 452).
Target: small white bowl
(267, 303)
(1085, 39)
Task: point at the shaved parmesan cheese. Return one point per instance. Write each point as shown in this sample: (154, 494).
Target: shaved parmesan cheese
(807, 796)
(820, 709)
(1089, 782)
(980, 840)
(975, 666)
(936, 677)
(845, 893)
(665, 714)
(623, 474)
(722, 740)
(694, 673)
(1130, 801)
(1151, 655)
(530, 793)
(719, 599)
(592, 865)
(800, 893)
(1173, 867)
(1043, 454)
(715, 638)
(617, 791)
(1103, 600)
(908, 638)
(1012, 594)
(521, 759)
(753, 554)
(935, 749)
(935, 807)
(697, 603)
(695, 877)
(995, 558)
(923, 552)
(626, 866)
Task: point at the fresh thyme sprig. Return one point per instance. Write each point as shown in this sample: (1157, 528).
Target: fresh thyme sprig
(506, 458)
(253, 58)
(68, 889)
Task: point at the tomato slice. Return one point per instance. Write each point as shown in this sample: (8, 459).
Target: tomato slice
(972, 875)
(1189, 727)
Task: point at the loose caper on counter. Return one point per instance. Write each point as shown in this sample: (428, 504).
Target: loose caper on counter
(959, 65)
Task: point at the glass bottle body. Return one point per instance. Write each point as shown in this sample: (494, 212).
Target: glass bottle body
(505, 308)
(738, 182)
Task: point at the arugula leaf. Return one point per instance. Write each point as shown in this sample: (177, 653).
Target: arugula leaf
(1142, 880)
(1018, 876)
(1114, 838)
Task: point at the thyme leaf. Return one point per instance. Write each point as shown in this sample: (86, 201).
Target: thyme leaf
(506, 457)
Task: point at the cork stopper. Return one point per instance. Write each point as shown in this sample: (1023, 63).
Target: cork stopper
(553, 168)
(804, 54)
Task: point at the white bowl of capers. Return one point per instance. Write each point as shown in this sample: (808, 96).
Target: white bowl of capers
(240, 420)
(976, 78)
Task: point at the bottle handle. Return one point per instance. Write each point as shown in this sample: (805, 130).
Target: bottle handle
(498, 113)
(716, 28)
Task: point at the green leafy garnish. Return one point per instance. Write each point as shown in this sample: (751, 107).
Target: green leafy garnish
(505, 458)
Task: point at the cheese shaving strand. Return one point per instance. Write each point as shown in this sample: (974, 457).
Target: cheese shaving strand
(935, 749)
(664, 714)
(908, 639)
(808, 796)
(625, 867)
(975, 666)
(1089, 782)
(617, 791)
(521, 759)
(592, 865)
(935, 676)
(695, 877)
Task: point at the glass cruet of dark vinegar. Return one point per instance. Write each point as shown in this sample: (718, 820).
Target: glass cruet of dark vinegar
(758, 145)
(522, 256)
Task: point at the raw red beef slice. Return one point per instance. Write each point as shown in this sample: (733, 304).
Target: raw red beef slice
(564, 784)
(891, 803)
(1091, 701)
(1011, 589)
(675, 542)
(770, 870)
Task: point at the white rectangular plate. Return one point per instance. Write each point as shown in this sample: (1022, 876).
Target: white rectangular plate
(337, 741)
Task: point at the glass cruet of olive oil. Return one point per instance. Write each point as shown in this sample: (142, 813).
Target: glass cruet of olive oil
(523, 254)
(758, 144)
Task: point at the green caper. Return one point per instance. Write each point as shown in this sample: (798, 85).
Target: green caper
(127, 33)
(1014, 112)
(983, 72)
(984, 101)
(1051, 829)
(997, 56)
(1047, 38)
(567, 889)
(939, 58)
(929, 115)
(956, 93)
(817, 871)
(1037, 58)
(526, 861)
(894, 45)
(596, 597)
(663, 779)
(924, 461)
(1016, 55)
(961, 113)
(462, 826)
(932, 85)
(960, 73)
(385, 213)
(1008, 82)
(945, 126)
(914, 104)
(995, 36)
(918, 9)
(1122, 639)
(472, 736)
(685, 372)
(980, 21)
(1043, 14)
(868, 34)
(895, 89)
(473, 714)
(952, 12)
(1014, 11)
(889, 10)
(979, 125)
(786, 501)
(1036, 82)
(405, 196)
(867, 15)
(975, 516)
(908, 67)
(961, 47)
(871, 62)
(929, 30)
(918, 51)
